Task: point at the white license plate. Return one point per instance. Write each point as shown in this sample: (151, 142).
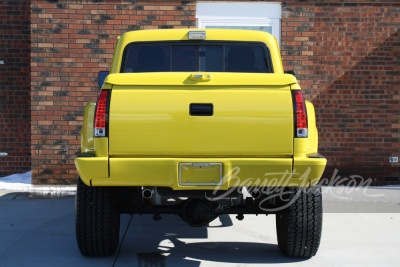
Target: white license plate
(200, 173)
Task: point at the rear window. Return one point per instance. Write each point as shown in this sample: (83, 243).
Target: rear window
(189, 57)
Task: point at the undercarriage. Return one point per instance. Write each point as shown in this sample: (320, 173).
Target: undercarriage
(196, 207)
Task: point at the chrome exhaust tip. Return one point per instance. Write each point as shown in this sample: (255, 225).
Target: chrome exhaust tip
(147, 193)
(255, 194)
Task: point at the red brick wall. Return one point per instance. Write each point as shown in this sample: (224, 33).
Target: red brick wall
(71, 42)
(346, 57)
(14, 87)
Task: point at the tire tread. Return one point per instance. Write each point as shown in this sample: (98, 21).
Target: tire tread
(299, 226)
(96, 220)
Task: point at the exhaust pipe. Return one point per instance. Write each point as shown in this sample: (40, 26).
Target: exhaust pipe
(147, 193)
(256, 193)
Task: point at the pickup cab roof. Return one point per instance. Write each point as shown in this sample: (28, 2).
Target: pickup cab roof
(183, 35)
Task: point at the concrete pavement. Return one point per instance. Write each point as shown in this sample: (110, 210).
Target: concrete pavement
(36, 230)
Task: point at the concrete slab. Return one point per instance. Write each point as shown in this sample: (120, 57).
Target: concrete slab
(40, 232)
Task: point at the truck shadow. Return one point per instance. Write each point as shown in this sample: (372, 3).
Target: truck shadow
(39, 230)
(172, 241)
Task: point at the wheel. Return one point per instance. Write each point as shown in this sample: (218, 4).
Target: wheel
(299, 225)
(96, 220)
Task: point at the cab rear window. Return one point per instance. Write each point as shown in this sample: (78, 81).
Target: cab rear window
(189, 57)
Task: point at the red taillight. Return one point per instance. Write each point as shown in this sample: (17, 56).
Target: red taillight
(300, 115)
(101, 116)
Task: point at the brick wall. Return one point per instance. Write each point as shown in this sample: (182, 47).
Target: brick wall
(346, 57)
(71, 42)
(14, 87)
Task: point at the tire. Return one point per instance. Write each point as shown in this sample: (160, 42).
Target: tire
(97, 221)
(299, 225)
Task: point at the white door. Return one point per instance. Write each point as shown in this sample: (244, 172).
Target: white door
(240, 15)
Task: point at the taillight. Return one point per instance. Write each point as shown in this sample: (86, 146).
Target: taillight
(300, 115)
(101, 114)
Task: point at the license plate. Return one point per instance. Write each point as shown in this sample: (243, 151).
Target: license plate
(200, 173)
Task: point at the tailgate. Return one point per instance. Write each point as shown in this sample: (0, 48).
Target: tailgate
(246, 121)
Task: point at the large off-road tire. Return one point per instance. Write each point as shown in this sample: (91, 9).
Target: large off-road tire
(97, 220)
(299, 225)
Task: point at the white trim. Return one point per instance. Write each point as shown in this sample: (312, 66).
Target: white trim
(240, 14)
(274, 23)
(238, 10)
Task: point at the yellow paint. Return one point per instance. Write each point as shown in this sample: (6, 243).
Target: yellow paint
(312, 145)
(165, 171)
(101, 146)
(235, 172)
(312, 168)
(126, 80)
(87, 143)
(90, 168)
(250, 121)
(151, 131)
(300, 147)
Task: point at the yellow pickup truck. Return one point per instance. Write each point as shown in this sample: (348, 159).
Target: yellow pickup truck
(199, 123)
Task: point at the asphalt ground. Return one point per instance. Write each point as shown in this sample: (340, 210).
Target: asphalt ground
(358, 230)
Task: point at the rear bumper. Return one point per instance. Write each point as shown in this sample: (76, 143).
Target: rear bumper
(268, 172)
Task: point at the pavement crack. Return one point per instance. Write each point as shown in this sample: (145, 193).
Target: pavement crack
(122, 241)
(18, 194)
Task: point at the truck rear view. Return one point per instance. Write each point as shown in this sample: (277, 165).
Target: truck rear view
(199, 124)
